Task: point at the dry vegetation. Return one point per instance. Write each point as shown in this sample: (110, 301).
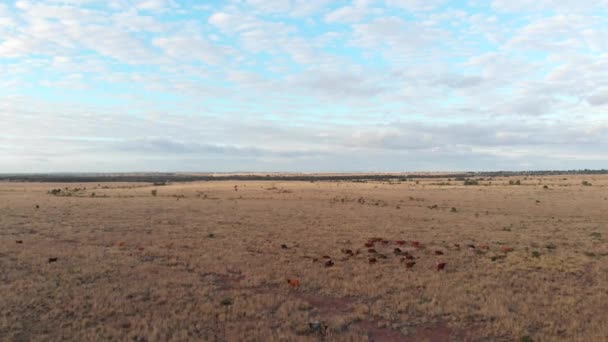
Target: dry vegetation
(426, 260)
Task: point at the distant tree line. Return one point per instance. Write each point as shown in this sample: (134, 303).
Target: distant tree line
(164, 178)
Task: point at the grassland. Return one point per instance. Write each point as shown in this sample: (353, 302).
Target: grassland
(295, 260)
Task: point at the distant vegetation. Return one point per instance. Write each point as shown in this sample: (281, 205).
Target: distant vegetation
(471, 182)
(55, 192)
(165, 178)
(66, 191)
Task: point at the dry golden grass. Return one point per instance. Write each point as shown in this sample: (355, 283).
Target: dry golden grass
(203, 261)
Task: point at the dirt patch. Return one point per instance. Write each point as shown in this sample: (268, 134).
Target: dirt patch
(327, 305)
(377, 334)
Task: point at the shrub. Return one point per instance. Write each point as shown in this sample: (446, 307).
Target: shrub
(471, 182)
(154, 192)
(586, 183)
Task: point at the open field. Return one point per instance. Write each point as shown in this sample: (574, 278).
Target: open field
(211, 260)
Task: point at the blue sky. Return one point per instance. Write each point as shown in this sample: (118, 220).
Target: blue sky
(295, 85)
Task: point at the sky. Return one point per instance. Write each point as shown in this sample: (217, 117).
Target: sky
(303, 85)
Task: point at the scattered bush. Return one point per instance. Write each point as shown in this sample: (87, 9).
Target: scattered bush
(471, 182)
(586, 183)
(515, 182)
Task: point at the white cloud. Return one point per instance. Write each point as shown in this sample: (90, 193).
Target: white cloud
(6, 18)
(347, 14)
(554, 34)
(190, 48)
(296, 8)
(155, 5)
(560, 6)
(270, 5)
(415, 5)
(598, 98)
(400, 41)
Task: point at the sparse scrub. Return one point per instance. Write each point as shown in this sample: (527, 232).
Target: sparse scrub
(441, 183)
(311, 265)
(471, 182)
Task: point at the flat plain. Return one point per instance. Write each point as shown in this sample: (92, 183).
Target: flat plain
(412, 260)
